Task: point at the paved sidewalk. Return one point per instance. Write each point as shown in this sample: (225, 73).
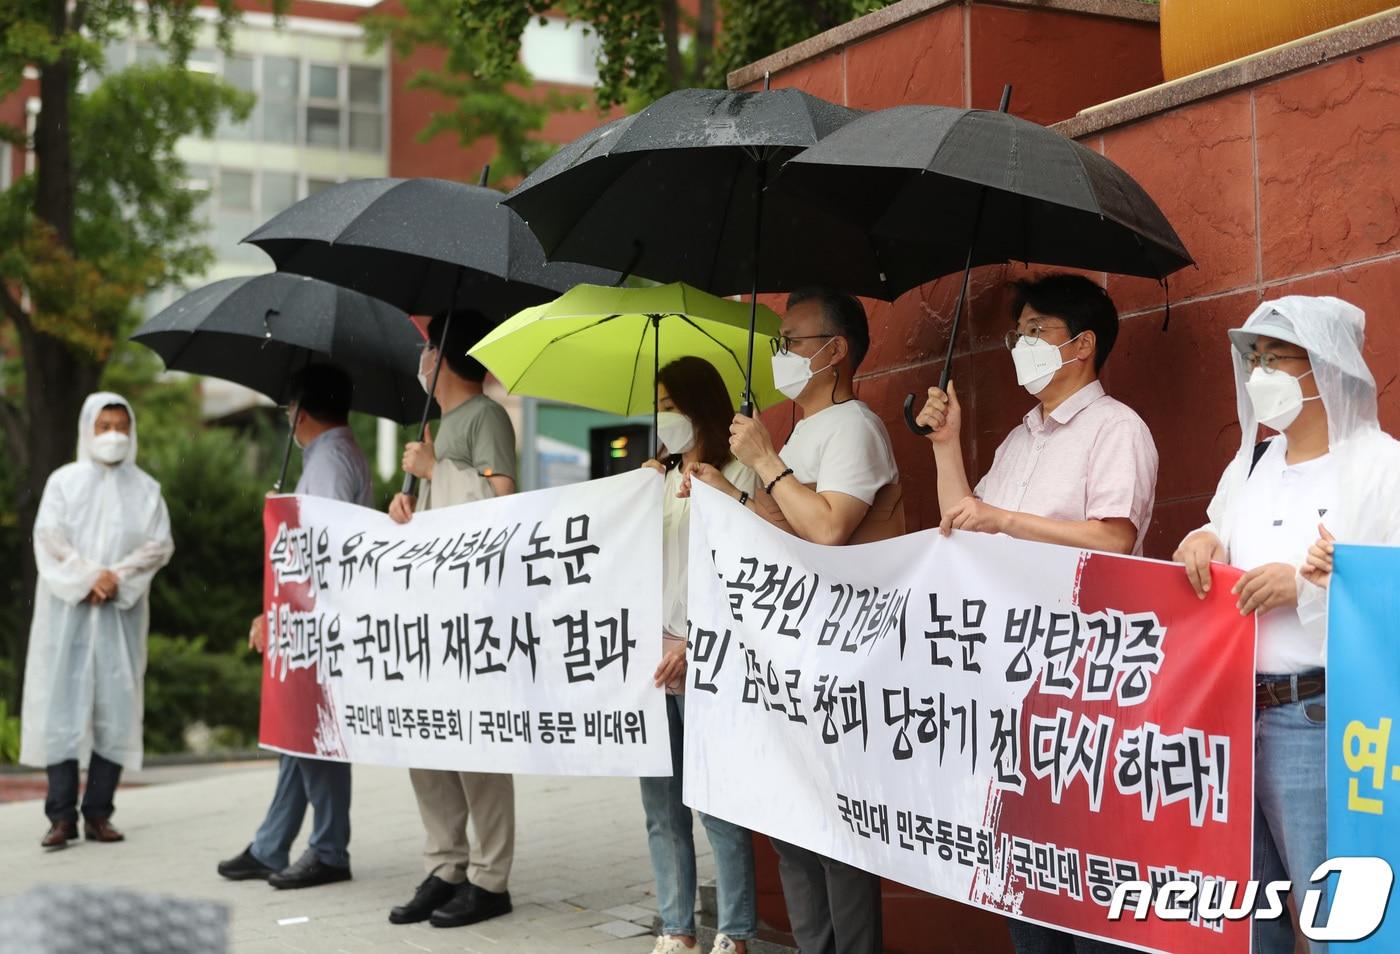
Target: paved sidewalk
(581, 880)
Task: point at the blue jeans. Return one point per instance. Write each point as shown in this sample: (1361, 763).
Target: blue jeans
(326, 787)
(672, 846)
(1290, 813)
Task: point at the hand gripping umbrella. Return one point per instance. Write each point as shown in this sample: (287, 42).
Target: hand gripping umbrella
(256, 331)
(677, 193)
(975, 187)
(428, 246)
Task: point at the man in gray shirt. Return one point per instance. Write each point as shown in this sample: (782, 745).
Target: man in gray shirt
(472, 458)
(332, 466)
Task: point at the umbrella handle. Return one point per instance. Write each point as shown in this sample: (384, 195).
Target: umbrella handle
(410, 482)
(911, 418)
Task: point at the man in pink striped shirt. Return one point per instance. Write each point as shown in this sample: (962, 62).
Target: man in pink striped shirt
(1080, 470)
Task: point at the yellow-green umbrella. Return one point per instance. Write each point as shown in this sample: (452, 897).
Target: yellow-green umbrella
(601, 346)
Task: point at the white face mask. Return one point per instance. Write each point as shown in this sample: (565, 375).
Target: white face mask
(110, 447)
(791, 372)
(1277, 397)
(1036, 362)
(675, 432)
(425, 377)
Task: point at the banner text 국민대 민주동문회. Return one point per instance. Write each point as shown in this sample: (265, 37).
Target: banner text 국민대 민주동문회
(516, 634)
(1014, 725)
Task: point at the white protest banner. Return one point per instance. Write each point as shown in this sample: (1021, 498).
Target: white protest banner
(1013, 725)
(517, 634)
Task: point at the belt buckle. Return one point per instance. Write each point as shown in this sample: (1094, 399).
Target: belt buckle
(1270, 693)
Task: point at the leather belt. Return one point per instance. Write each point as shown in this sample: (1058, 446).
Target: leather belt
(1270, 691)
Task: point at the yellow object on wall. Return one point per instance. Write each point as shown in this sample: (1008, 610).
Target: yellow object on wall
(1199, 34)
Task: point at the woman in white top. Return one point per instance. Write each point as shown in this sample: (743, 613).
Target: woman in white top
(694, 412)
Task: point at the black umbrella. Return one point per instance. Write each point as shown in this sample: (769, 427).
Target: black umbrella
(974, 187)
(428, 246)
(676, 193)
(256, 331)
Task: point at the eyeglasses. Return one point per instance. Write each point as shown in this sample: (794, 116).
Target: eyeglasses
(1031, 334)
(1266, 360)
(783, 343)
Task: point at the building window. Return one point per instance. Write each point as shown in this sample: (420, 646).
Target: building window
(366, 109)
(7, 159)
(279, 190)
(280, 91)
(558, 51)
(239, 72)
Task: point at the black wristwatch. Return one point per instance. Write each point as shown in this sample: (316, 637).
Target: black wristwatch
(743, 498)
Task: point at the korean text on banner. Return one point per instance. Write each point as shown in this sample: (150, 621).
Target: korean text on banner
(1013, 725)
(510, 635)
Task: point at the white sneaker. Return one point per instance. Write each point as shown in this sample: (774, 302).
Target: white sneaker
(666, 944)
(724, 944)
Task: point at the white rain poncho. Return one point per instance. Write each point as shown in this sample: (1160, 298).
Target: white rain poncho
(84, 678)
(1367, 459)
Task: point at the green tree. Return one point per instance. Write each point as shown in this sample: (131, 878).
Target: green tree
(504, 106)
(650, 47)
(104, 220)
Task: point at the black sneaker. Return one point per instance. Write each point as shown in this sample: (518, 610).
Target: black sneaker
(245, 868)
(471, 905)
(308, 871)
(431, 894)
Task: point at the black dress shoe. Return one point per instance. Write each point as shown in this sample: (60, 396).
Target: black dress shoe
(308, 871)
(470, 905)
(431, 894)
(245, 867)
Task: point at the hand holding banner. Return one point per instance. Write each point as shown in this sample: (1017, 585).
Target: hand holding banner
(1014, 725)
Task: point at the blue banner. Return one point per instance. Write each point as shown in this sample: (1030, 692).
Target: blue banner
(1363, 716)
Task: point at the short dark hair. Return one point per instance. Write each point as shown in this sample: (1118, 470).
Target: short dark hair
(1078, 302)
(699, 392)
(844, 315)
(324, 391)
(467, 328)
(114, 406)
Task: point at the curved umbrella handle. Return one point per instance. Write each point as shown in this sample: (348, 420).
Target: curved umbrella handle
(911, 419)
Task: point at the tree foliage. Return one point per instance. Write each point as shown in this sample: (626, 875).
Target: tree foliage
(504, 106)
(102, 221)
(650, 47)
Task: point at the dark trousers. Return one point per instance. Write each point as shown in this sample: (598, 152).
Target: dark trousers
(61, 804)
(1036, 939)
(834, 907)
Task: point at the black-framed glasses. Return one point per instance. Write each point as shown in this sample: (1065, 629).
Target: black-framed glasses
(783, 343)
(1032, 333)
(1266, 360)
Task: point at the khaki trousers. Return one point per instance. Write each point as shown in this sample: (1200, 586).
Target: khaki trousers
(445, 800)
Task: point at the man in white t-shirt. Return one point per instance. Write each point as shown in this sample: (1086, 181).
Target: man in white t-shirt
(1299, 372)
(835, 482)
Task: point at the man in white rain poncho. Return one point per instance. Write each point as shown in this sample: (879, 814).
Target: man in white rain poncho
(1299, 371)
(101, 534)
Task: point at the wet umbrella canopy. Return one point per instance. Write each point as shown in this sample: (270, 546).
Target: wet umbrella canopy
(970, 187)
(422, 245)
(914, 174)
(256, 331)
(673, 193)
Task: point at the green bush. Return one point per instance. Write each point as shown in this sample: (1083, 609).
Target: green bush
(213, 584)
(9, 735)
(186, 683)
